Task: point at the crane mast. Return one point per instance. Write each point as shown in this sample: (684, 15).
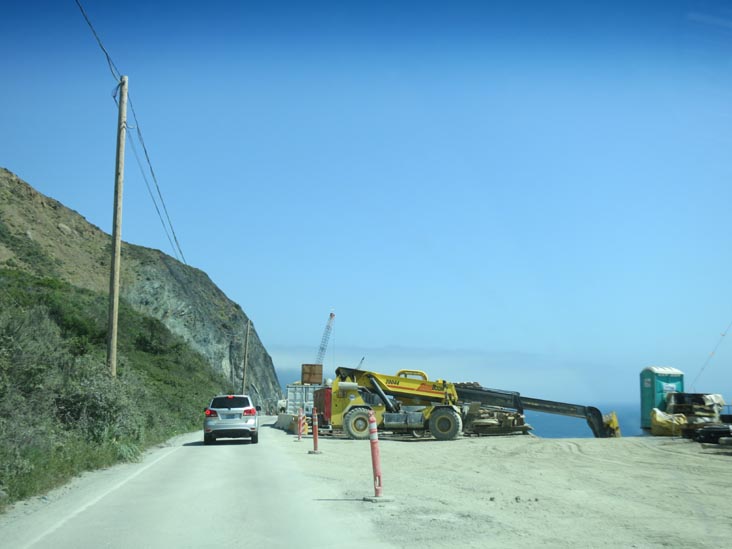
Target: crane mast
(324, 341)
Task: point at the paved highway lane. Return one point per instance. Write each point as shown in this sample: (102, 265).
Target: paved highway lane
(190, 495)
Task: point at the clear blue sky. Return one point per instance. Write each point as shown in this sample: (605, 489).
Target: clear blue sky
(532, 195)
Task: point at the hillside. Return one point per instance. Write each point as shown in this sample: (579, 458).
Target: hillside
(42, 237)
(61, 412)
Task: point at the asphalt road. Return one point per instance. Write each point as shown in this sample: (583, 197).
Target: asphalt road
(186, 494)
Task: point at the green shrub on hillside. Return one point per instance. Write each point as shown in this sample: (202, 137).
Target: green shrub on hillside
(60, 411)
(28, 251)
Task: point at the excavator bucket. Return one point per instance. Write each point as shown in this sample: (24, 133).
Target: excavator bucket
(612, 426)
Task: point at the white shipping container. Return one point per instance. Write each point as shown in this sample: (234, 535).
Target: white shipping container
(301, 396)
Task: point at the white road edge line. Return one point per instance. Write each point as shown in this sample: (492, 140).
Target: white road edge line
(84, 507)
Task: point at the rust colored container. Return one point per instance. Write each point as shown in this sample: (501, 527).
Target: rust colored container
(312, 374)
(322, 399)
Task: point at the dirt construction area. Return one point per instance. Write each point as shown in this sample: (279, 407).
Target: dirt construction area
(524, 491)
(510, 491)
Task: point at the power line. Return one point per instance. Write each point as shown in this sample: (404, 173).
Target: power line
(112, 67)
(117, 76)
(711, 355)
(177, 252)
(152, 197)
(155, 180)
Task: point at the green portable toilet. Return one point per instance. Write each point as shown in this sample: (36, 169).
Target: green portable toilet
(655, 382)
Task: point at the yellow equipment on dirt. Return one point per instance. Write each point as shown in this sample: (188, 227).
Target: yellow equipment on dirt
(404, 402)
(408, 402)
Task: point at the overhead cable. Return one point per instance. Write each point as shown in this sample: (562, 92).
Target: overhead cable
(117, 76)
(711, 355)
(112, 67)
(152, 197)
(155, 180)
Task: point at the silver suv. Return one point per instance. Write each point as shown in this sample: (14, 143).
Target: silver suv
(231, 416)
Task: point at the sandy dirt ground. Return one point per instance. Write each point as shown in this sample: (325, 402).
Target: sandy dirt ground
(514, 491)
(524, 491)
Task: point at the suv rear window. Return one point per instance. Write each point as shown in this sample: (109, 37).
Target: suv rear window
(233, 402)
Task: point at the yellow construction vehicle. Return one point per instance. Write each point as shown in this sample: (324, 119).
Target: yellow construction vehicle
(408, 402)
(404, 402)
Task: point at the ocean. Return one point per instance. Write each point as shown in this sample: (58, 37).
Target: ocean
(554, 426)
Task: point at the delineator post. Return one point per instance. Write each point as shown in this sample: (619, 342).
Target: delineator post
(375, 455)
(299, 424)
(315, 432)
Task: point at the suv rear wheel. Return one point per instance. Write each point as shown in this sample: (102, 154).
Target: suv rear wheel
(208, 439)
(255, 438)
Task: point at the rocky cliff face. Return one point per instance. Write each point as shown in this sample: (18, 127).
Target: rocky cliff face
(40, 235)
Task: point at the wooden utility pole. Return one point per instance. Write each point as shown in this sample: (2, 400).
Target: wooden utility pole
(246, 360)
(117, 230)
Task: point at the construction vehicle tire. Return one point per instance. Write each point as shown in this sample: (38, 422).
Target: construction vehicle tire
(445, 424)
(356, 424)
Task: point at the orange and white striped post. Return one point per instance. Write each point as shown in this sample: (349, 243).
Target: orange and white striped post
(315, 432)
(375, 455)
(299, 424)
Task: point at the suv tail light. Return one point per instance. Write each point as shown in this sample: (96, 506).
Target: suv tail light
(211, 413)
(249, 412)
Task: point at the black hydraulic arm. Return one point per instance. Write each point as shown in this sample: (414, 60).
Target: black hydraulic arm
(592, 415)
(472, 392)
(388, 403)
(345, 373)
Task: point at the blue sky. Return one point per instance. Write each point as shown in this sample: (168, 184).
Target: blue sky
(530, 195)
